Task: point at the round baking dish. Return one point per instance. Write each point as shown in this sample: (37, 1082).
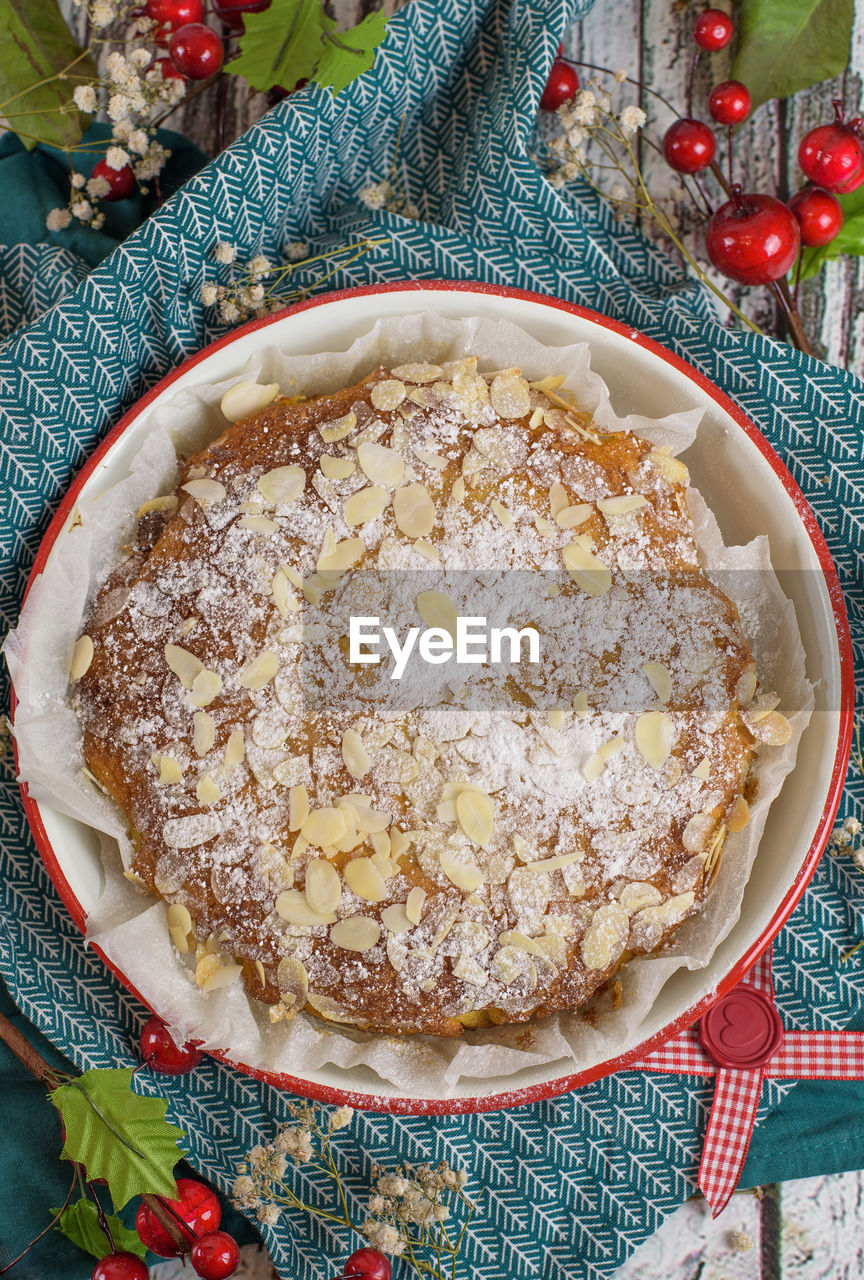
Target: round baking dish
(750, 491)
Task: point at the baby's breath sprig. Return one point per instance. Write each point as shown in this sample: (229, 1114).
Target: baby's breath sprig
(258, 287)
(389, 193)
(409, 1213)
(596, 146)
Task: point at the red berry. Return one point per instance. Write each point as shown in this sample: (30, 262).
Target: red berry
(832, 155)
(562, 84)
(851, 184)
(173, 14)
(753, 238)
(197, 1205)
(158, 1049)
(713, 30)
(231, 11)
(819, 214)
(730, 102)
(196, 51)
(120, 1266)
(689, 146)
(121, 182)
(368, 1264)
(215, 1255)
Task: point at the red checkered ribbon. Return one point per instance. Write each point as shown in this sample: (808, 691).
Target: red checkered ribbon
(801, 1055)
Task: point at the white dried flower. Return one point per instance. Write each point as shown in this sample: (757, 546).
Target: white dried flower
(98, 187)
(618, 192)
(577, 136)
(118, 106)
(341, 1118)
(229, 312)
(78, 180)
(740, 1241)
(243, 1190)
(409, 210)
(102, 13)
(153, 162)
(82, 210)
(374, 196)
(121, 130)
(392, 1185)
(383, 1236)
(377, 1204)
(585, 108)
(116, 68)
(209, 294)
(296, 250)
(57, 219)
(631, 119)
(852, 825)
(116, 158)
(858, 859)
(139, 142)
(84, 97)
(140, 58)
(620, 76)
(841, 838)
(224, 252)
(269, 1214)
(259, 266)
(98, 221)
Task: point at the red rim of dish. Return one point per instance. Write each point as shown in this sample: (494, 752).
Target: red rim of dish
(564, 1084)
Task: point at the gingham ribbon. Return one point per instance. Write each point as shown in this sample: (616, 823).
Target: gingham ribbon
(801, 1055)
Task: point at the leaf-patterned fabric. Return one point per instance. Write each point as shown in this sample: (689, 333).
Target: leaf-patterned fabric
(571, 1185)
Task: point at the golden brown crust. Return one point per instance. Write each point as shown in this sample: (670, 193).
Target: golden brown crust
(519, 942)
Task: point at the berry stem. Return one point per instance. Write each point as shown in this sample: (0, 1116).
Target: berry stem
(27, 1055)
(100, 1214)
(168, 1218)
(731, 145)
(796, 326)
(691, 83)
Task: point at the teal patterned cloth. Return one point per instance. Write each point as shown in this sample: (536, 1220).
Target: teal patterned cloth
(574, 1184)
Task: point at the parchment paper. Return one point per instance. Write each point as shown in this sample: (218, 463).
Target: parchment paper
(130, 926)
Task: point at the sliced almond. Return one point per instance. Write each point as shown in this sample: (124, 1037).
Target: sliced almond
(606, 936)
(247, 397)
(612, 748)
(544, 527)
(191, 831)
(354, 754)
(399, 842)
(203, 732)
(342, 556)
(395, 919)
(179, 938)
(206, 686)
(382, 465)
(437, 610)
(363, 878)
(258, 524)
(336, 468)
(356, 933)
(457, 491)
(235, 749)
(205, 491)
(170, 772)
(774, 730)
(697, 832)
(285, 600)
(418, 373)
(184, 664)
(638, 894)
(380, 842)
(557, 717)
(207, 790)
(512, 964)
(365, 505)
(586, 570)
(554, 864)
(580, 704)
(82, 656)
(521, 941)
(414, 905)
(572, 517)
(298, 807)
(502, 513)
(338, 428)
(430, 459)
(323, 887)
(671, 469)
(623, 504)
(282, 485)
(324, 827)
(467, 876)
(510, 395)
(655, 735)
(703, 769)
(739, 815)
(659, 678)
(745, 689)
(414, 510)
(476, 814)
(593, 767)
(293, 906)
(260, 671)
(166, 503)
(427, 551)
(387, 395)
(292, 981)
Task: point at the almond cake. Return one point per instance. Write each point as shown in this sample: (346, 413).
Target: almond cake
(485, 854)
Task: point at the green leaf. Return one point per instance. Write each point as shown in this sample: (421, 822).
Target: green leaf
(348, 54)
(119, 1135)
(36, 44)
(786, 45)
(80, 1224)
(282, 45)
(849, 240)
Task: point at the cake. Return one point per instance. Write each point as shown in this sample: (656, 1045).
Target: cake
(450, 848)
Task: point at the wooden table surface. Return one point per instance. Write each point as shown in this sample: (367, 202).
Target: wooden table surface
(811, 1229)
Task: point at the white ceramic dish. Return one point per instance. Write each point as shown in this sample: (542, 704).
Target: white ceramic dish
(750, 492)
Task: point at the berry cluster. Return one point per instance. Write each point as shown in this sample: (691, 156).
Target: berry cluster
(753, 238)
(194, 50)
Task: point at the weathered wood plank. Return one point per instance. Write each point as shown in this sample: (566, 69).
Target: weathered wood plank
(821, 1237)
(690, 1245)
